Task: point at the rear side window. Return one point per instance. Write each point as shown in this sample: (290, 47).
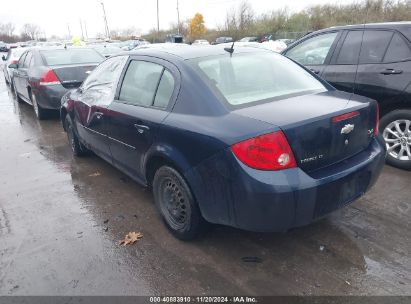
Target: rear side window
(71, 56)
(374, 45)
(165, 90)
(140, 83)
(398, 50)
(351, 48)
(313, 51)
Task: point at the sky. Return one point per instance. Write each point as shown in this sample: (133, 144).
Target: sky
(54, 16)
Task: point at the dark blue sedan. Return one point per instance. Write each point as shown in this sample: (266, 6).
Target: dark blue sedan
(241, 137)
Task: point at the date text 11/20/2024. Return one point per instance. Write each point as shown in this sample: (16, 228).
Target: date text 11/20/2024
(203, 299)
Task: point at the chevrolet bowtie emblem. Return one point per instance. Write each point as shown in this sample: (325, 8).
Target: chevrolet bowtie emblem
(347, 129)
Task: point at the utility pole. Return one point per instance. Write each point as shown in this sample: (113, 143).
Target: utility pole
(81, 27)
(158, 23)
(105, 21)
(85, 29)
(68, 28)
(178, 19)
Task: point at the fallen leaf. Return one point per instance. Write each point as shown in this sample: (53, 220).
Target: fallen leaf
(95, 174)
(131, 238)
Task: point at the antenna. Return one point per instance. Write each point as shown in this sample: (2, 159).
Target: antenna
(230, 49)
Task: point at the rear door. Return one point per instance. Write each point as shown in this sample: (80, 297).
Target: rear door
(315, 52)
(384, 70)
(143, 102)
(342, 70)
(97, 92)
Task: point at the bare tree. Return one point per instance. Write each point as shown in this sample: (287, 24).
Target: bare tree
(31, 30)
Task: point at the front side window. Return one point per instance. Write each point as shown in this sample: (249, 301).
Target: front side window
(27, 60)
(254, 77)
(101, 84)
(140, 83)
(374, 45)
(21, 60)
(398, 50)
(313, 51)
(350, 49)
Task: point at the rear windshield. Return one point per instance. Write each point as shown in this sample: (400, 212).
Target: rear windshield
(71, 56)
(252, 77)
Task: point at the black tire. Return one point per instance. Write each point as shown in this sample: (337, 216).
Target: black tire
(401, 140)
(41, 113)
(177, 205)
(76, 146)
(14, 90)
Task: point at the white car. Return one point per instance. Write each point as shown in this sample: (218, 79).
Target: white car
(12, 56)
(201, 42)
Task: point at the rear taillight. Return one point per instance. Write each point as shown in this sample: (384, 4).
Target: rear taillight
(49, 78)
(265, 152)
(13, 62)
(377, 120)
(345, 116)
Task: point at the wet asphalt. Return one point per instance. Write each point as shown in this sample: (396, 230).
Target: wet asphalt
(61, 219)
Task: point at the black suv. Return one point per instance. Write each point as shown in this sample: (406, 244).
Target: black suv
(373, 60)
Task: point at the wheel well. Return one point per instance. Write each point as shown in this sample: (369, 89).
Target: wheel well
(153, 165)
(397, 106)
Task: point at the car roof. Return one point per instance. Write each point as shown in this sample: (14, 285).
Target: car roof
(403, 26)
(184, 51)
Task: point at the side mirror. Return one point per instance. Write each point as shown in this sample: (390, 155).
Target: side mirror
(13, 66)
(3, 57)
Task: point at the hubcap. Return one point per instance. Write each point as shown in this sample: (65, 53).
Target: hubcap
(397, 136)
(174, 204)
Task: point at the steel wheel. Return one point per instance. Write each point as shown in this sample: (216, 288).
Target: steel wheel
(397, 136)
(174, 204)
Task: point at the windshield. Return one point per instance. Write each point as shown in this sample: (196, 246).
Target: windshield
(251, 77)
(71, 56)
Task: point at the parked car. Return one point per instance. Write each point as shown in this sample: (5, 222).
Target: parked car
(220, 40)
(249, 39)
(133, 44)
(12, 57)
(245, 138)
(107, 50)
(3, 47)
(43, 75)
(200, 42)
(373, 60)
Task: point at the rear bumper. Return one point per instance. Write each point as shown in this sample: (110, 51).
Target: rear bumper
(256, 200)
(49, 97)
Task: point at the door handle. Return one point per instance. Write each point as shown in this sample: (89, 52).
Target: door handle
(98, 115)
(391, 72)
(141, 128)
(315, 71)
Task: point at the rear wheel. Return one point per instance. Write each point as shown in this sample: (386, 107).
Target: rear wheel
(396, 130)
(76, 146)
(40, 112)
(176, 203)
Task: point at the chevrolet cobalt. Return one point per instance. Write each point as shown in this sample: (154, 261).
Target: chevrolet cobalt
(236, 136)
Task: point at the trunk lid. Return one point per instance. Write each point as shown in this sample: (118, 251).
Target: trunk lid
(307, 121)
(72, 76)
